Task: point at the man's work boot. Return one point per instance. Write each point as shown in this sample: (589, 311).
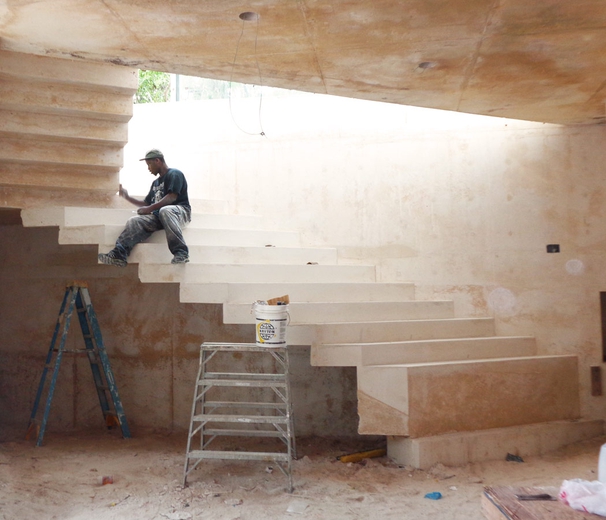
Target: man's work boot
(111, 259)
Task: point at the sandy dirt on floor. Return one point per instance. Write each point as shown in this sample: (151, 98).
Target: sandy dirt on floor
(64, 480)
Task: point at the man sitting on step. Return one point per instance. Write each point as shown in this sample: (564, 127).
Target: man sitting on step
(165, 207)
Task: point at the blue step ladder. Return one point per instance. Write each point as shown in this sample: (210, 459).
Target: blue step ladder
(77, 297)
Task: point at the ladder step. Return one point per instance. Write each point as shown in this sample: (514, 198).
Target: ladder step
(239, 347)
(243, 433)
(241, 382)
(77, 298)
(238, 455)
(268, 417)
(257, 419)
(236, 376)
(243, 404)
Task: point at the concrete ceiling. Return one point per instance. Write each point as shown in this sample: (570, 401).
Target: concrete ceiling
(540, 60)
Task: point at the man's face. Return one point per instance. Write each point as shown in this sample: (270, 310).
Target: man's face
(153, 165)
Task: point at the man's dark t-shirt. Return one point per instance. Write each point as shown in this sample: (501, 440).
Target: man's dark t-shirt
(173, 181)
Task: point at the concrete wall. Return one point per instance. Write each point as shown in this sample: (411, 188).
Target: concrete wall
(152, 340)
(464, 206)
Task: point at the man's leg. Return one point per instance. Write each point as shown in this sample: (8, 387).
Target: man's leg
(173, 219)
(137, 230)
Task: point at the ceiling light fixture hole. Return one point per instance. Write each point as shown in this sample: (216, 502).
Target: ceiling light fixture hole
(249, 16)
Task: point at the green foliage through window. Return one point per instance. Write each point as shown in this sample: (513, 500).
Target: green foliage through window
(154, 87)
(161, 87)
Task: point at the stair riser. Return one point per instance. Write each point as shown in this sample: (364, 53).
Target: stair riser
(312, 292)
(458, 449)
(35, 217)
(404, 330)
(67, 216)
(446, 350)
(160, 273)
(107, 235)
(76, 217)
(385, 332)
(301, 313)
(433, 399)
(159, 253)
(420, 352)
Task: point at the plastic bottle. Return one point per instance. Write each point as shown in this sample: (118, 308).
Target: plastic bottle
(602, 465)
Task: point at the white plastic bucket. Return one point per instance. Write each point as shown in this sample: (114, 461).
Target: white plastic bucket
(270, 324)
(602, 465)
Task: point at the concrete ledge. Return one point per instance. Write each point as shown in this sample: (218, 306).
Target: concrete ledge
(457, 449)
(437, 398)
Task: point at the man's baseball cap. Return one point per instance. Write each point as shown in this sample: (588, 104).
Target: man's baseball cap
(153, 154)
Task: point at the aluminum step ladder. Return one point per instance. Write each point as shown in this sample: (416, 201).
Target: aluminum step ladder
(241, 404)
(77, 297)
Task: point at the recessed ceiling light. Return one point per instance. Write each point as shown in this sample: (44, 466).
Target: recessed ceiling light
(249, 16)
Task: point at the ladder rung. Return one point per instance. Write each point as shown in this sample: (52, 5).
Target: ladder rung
(238, 455)
(244, 375)
(257, 419)
(243, 433)
(77, 298)
(243, 404)
(240, 347)
(241, 382)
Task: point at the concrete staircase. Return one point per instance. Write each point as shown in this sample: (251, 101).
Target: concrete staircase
(442, 388)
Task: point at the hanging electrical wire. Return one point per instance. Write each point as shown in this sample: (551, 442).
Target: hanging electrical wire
(247, 17)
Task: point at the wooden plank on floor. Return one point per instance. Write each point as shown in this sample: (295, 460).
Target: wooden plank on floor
(501, 503)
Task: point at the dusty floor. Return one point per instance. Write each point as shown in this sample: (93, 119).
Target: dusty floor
(63, 480)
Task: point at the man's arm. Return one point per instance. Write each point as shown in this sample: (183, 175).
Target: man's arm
(124, 194)
(167, 200)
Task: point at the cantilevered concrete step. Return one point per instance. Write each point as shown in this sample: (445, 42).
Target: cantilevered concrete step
(85, 216)
(384, 331)
(117, 217)
(159, 253)
(298, 292)
(107, 235)
(429, 351)
(347, 312)
(436, 398)
(188, 273)
(458, 449)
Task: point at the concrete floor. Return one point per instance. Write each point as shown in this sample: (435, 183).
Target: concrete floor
(63, 479)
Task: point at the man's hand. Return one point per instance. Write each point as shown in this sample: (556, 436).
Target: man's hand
(122, 192)
(144, 210)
